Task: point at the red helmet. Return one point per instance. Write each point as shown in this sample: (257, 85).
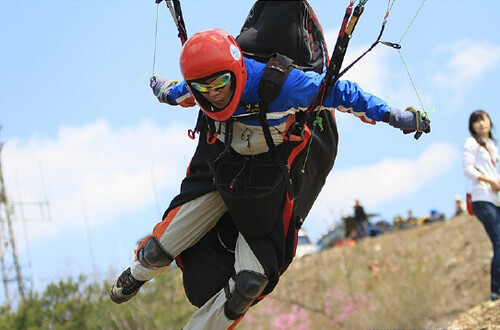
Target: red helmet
(210, 53)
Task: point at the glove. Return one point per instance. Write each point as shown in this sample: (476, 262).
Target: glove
(161, 89)
(409, 121)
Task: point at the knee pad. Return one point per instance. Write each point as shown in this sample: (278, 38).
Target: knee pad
(152, 254)
(248, 285)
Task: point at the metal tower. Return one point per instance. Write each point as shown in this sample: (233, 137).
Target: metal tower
(9, 262)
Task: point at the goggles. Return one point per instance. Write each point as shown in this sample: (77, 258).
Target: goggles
(215, 85)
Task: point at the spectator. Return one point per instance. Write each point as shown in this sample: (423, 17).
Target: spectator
(411, 220)
(459, 206)
(360, 219)
(400, 222)
(480, 165)
(434, 216)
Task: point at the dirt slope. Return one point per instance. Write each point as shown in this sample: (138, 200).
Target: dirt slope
(482, 316)
(427, 277)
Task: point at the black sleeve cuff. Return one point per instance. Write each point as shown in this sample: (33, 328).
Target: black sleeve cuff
(169, 99)
(386, 117)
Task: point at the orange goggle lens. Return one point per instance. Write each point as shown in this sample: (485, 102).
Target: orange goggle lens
(217, 84)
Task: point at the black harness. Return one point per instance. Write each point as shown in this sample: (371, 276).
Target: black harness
(253, 186)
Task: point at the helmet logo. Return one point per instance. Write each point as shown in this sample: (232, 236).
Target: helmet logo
(235, 52)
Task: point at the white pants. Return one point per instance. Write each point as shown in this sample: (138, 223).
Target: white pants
(184, 227)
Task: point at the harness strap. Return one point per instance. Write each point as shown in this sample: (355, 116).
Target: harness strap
(332, 73)
(275, 73)
(175, 10)
(228, 137)
(211, 130)
(277, 69)
(341, 47)
(265, 125)
(196, 129)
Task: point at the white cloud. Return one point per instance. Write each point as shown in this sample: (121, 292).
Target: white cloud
(381, 182)
(110, 171)
(467, 63)
(371, 72)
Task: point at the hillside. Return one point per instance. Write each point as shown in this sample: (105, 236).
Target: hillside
(427, 277)
(430, 277)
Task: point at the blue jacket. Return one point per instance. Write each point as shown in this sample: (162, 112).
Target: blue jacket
(298, 93)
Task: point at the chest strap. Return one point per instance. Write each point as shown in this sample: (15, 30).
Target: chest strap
(275, 73)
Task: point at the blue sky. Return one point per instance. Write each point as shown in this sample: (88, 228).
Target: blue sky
(83, 131)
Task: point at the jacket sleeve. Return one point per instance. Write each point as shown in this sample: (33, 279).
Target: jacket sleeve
(179, 94)
(469, 160)
(301, 88)
(347, 96)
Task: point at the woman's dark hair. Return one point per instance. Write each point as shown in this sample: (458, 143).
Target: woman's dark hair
(475, 116)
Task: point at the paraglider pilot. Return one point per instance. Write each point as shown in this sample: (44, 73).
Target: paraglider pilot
(250, 184)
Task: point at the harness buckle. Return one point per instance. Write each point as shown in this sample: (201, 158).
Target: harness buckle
(213, 139)
(295, 132)
(192, 134)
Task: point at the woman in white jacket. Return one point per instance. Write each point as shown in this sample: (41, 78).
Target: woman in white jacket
(480, 161)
